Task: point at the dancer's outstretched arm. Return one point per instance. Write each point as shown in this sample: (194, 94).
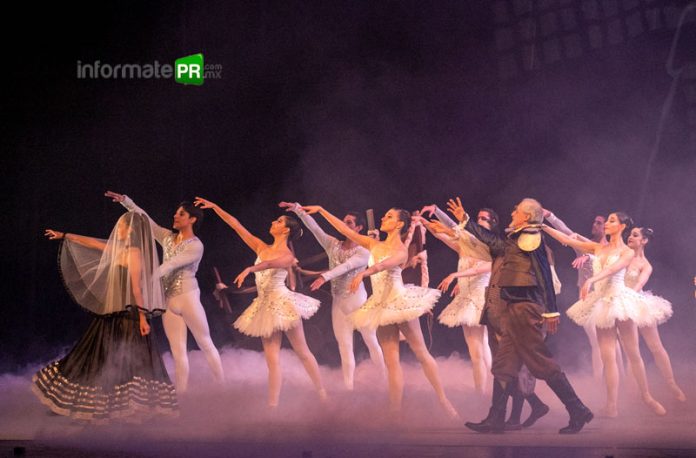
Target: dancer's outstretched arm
(192, 252)
(557, 223)
(322, 237)
(359, 259)
(439, 214)
(89, 242)
(284, 261)
(481, 267)
(362, 240)
(159, 232)
(444, 237)
(247, 237)
(579, 245)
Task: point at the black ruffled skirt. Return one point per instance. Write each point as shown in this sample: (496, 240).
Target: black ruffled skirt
(112, 372)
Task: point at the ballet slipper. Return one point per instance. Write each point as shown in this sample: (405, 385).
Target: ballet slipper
(609, 411)
(449, 408)
(654, 405)
(677, 392)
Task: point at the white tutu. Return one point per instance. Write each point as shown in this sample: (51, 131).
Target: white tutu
(466, 307)
(462, 311)
(610, 301)
(412, 302)
(276, 308)
(275, 312)
(655, 310)
(603, 310)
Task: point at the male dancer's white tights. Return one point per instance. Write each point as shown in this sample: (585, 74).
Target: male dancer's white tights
(185, 310)
(343, 330)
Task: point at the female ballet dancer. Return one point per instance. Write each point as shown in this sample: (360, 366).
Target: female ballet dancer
(473, 276)
(611, 306)
(115, 370)
(182, 255)
(393, 306)
(346, 258)
(276, 310)
(584, 272)
(657, 310)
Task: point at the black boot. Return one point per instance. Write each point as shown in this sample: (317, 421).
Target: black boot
(495, 421)
(539, 409)
(579, 413)
(513, 423)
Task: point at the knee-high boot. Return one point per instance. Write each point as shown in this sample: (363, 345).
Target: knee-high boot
(579, 413)
(495, 421)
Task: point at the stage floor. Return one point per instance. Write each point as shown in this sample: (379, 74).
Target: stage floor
(232, 420)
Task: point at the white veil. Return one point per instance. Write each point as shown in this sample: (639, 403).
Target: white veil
(120, 272)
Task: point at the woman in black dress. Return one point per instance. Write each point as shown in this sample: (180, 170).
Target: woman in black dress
(115, 369)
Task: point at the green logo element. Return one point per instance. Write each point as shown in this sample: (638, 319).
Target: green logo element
(189, 70)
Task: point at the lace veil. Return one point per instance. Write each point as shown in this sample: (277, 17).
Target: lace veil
(108, 276)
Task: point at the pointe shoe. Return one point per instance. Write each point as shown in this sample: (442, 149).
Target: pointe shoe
(609, 412)
(677, 392)
(449, 408)
(655, 406)
(323, 397)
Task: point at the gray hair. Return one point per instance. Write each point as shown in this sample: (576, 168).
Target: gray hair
(533, 208)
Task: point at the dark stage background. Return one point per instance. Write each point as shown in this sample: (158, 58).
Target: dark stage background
(351, 105)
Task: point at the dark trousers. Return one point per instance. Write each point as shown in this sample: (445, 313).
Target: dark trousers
(522, 342)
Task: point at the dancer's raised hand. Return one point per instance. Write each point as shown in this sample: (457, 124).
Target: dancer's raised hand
(290, 206)
(114, 196)
(456, 208)
(429, 209)
(54, 235)
(203, 203)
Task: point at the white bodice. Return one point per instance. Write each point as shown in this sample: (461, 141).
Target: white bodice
(615, 281)
(474, 284)
(387, 283)
(631, 277)
(270, 281)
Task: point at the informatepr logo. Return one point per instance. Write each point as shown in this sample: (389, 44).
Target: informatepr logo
(189, 70)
